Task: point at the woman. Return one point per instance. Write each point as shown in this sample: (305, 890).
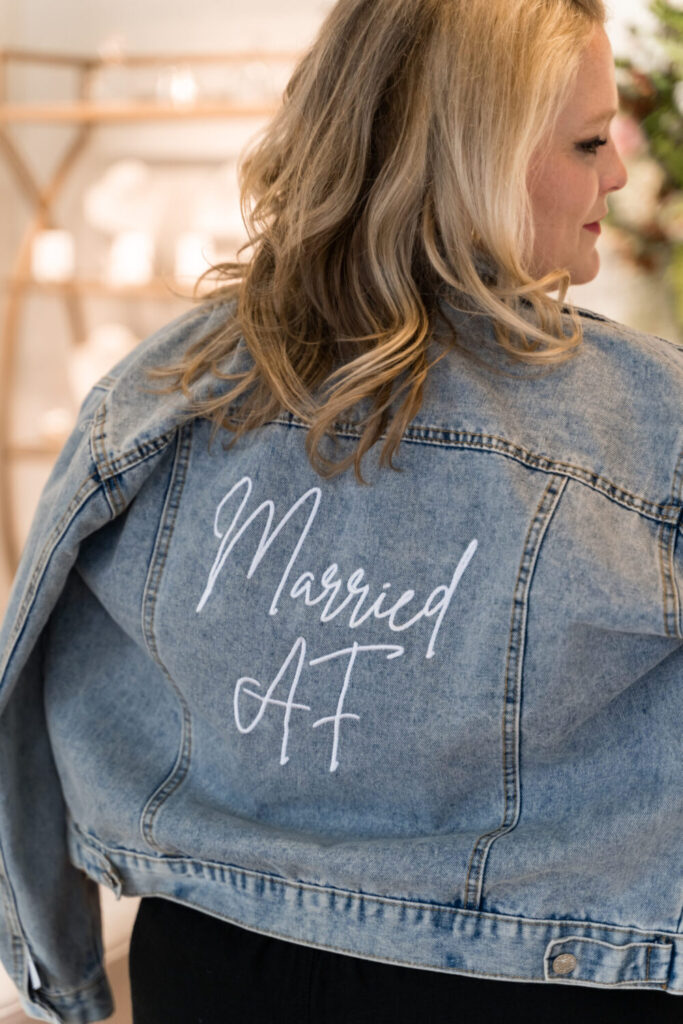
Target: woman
(399, 752)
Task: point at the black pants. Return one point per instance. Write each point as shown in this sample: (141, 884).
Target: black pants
(187, 967)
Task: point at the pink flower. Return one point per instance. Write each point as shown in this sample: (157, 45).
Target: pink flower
(628, 136)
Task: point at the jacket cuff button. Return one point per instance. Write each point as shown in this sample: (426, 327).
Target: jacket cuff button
(564, 963)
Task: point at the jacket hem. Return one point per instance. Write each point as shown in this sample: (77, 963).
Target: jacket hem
(400, 931)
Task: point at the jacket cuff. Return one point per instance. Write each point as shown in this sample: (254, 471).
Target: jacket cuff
(91, 1002)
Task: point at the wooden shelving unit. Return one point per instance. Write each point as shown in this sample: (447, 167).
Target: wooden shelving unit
(104, 113)
(86, 115)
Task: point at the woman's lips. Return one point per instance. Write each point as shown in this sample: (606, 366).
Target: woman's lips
(595, 227)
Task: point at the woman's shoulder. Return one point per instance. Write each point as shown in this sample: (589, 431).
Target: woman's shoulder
(140, 407)
(600, 329)
(169, 342)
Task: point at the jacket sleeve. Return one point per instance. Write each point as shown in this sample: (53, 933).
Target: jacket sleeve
(50, 928)
(678, 577)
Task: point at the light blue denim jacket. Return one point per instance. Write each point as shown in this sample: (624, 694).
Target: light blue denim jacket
(433, 721)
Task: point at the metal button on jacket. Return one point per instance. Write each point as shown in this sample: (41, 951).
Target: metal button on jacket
(564, 963)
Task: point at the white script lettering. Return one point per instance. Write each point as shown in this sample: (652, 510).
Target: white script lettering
(334, 596)
(267, 700)
(357, 590)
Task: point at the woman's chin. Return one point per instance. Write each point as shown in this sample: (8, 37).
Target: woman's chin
(587, 270)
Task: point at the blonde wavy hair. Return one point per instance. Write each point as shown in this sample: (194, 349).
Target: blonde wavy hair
(393, 176)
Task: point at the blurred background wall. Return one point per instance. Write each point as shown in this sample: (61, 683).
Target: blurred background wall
(173, 179)
(185, 183)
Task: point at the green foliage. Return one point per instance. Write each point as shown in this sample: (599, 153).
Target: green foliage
(654, 100)
(670, 17)
(675, 275)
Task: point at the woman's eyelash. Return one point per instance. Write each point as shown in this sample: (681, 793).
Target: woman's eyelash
(592, 145)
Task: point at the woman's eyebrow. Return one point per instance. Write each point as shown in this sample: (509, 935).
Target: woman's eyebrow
(601, 118)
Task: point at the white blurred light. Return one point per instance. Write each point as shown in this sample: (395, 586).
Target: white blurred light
(216, 209)
(179, 86)
(56, 425)
(131, 259)
(124, 199)
(53, 256)
(194, 253)
(112, 48)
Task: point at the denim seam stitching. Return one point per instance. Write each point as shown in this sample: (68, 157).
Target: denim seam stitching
(112, 489)
(603, 485)
(669, 582)
(118, 464)
(512, 697)
(158, 559)
(88, 840)
(671, 601)
(552, 949)
(82, 495)
(600, 942)
(439, 970)
(65, 993)
(12, 917)
(341, 949)
(20, 948)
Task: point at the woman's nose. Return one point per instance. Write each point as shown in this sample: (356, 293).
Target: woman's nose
(617, 175)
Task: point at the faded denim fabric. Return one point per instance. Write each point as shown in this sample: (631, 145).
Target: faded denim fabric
(434, 721)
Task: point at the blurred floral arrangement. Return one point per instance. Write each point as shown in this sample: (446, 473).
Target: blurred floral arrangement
(649, 135)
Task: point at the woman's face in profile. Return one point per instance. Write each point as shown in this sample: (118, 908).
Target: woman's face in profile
(569, 179)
